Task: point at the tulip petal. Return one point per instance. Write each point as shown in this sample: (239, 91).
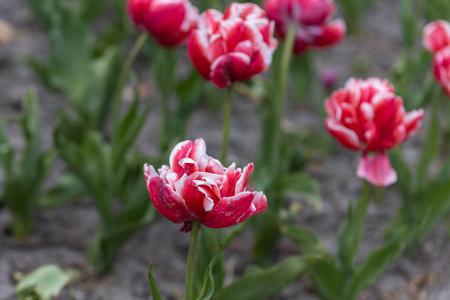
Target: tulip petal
(229, 211)
(180, 151)
(376, 168)
(167, 202)
(436, 35)
(191, 195)
(197, 50)
(413, 120)
(329, 34)
(348, 138)
(242, 182)
(229, 68)
(260, 202)
(149, 172)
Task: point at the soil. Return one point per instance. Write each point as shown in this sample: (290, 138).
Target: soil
(60, 234)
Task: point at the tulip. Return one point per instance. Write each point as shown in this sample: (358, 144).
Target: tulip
(367, 116)
(197, 187)
(442, 68)
(436, 35)
(311, 19)
(232, 46)
(169, 21)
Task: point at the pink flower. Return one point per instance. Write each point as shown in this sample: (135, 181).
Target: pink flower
(169, 21)
(436, 35)
(442, 68)
(312, 18)
(197, 186)
(233, 46)
(367, 116)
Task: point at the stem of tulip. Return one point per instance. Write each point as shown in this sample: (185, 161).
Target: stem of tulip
(117, 101)
(284, 70)
(226, 124)
(191, 262)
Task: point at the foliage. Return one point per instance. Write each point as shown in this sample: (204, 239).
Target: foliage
(24, 180)
(44, 283)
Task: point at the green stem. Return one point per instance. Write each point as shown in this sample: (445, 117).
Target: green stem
(21, 224)
(226, 124)
(284, 70)
(117, 101)
(191, 262)
(166, 88)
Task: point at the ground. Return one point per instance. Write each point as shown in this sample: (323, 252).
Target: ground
(60, 234)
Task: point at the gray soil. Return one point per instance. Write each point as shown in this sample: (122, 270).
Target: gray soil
(60, 234)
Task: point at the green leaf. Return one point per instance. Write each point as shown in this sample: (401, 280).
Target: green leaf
(409, 24)
(435, 206)
(430, 148)
(68, 189)
(403, 172)
(261, 283)
(350, 232)
(309, 243)
(303, 185)
(328, 278)
(267, 234)
(6, 150)
(208, 282)
(46, 281)
(153, 286)
(374, 265)
(303, 75)
(209, 240)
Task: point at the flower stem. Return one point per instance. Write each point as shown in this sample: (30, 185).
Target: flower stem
(282, 85)
(117, 101)
(191, 262)
(226, 124)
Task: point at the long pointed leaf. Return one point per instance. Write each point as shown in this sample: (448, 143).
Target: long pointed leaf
(262, 283)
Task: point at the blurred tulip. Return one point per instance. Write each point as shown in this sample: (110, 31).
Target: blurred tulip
(442, 68)
(329, 78)
(232, 46)
(311, 18)
(197, 186)
(436, 35)
(169, 21)
(366, 115)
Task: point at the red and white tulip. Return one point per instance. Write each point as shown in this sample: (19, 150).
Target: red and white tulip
(232, 46)
(312, 19)
(197, 187)
(442, 68)
(436, 35)
(367, 116)
(170, 22)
